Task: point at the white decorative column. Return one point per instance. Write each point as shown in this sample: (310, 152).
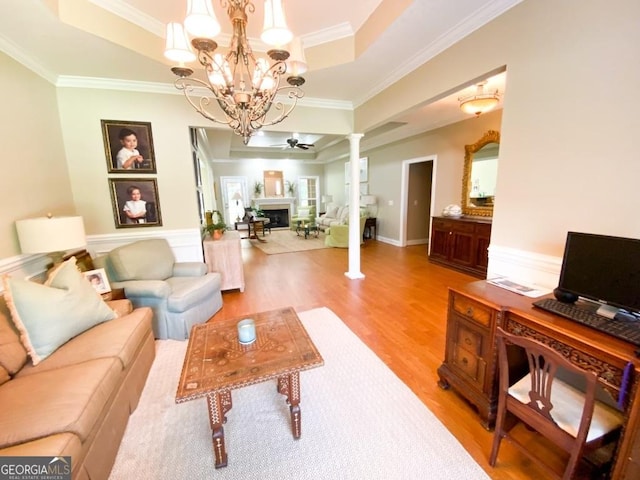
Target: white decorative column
(354, 207)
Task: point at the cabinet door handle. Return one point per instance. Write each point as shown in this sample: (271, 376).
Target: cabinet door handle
(467, 341)
(465, 361)
(470, 311)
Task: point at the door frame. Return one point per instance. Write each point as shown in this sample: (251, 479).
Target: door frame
(404, 193)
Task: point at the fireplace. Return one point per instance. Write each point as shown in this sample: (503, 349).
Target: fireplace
(279, 217)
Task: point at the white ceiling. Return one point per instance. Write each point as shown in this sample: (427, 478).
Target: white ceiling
(34, 35)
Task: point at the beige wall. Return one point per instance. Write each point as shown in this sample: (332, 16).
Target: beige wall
(567, 157)
(34, 179)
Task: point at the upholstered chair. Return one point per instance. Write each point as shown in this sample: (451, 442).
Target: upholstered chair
(338, 235)
(181, 294)
(304, 215)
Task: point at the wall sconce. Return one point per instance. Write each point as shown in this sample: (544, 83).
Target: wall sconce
(51, 235)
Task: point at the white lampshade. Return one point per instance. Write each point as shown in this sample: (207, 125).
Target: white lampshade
(236, 196)
(275, 31)
(177, 47)
(296, 63)
(50, 234)
(201, 21)
(368, 200)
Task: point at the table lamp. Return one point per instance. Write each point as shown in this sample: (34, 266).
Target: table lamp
(237, 197)
(51, 235)
(368, 200)
(326, 199)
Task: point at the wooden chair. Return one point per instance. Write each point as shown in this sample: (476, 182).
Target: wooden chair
(571, 419)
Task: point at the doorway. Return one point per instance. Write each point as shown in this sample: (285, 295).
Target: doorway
(235, 197)
(417, 200)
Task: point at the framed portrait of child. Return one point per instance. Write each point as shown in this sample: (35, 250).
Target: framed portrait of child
(98, 279)
(135, 202)
(128, 146)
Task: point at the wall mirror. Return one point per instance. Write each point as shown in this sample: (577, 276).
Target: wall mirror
(273, 183)
(480, 175)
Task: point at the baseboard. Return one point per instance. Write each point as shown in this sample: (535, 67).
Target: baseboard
(525, 267)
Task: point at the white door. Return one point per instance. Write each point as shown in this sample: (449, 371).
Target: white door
(235, 197)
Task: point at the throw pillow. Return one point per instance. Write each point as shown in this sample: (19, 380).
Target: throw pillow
(332, 212)
(47, 316)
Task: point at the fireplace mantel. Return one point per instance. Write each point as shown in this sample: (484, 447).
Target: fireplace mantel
(275, 203)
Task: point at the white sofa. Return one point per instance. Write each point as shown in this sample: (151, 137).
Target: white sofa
(335, 215)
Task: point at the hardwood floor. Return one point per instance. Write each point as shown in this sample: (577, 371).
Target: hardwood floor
(398, 310)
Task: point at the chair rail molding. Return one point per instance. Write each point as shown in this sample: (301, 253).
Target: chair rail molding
(527, 267)
(186, 245)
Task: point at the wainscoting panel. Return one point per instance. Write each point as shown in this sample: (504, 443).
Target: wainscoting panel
(186, 245)
(529, 268)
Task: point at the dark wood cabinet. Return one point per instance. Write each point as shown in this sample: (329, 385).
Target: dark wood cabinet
(461, 243)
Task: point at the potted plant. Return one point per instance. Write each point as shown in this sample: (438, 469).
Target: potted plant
(257, 189)
(290, 187)
(217, 226)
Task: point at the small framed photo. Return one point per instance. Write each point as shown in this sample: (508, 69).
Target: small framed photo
(135, 202)
(128, 146)
(98, 280)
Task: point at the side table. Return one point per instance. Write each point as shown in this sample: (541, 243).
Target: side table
(225, 257)
(370, 223)
(115, 294)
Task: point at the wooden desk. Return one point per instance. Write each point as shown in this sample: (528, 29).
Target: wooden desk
(225, 257)
(477, 309)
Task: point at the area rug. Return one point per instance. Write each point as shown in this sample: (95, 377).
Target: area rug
(359, 421)
(286, 241)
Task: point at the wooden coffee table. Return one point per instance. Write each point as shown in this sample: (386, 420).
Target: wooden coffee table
(216, 363)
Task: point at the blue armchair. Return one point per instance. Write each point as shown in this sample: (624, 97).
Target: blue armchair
(181, 294)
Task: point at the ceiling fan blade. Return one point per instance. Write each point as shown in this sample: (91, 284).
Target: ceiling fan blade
(302, 146)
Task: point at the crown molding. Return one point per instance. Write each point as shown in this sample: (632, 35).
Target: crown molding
(464, 28)
(68, 81)
(326, 35)
(33, 64)
(131, 14)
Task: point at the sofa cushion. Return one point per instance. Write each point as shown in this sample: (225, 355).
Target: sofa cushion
(4, 375)
(150, 259)
(186, 292)
(48, 316)
(60, 445)
(13, 355)
(343, 215)
(69, 399)
(119, 338)
(332, 212)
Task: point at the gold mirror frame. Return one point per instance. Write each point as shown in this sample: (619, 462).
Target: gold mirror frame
(491, 136)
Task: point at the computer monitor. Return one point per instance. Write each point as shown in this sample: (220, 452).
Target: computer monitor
(602, 268)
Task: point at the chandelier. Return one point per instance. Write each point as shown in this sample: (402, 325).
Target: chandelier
(480, 101)
(244, 87)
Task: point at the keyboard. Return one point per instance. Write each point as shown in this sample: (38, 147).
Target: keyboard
(627, 330)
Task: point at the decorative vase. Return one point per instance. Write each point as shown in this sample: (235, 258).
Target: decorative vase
(217, 234)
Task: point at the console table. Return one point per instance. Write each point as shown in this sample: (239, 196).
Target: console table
(461, 243)
(470, 364)
(225, 257)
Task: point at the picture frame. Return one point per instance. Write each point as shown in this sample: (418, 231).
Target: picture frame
(115, 133)
(364, 171)
(124, 199)
(98, 279)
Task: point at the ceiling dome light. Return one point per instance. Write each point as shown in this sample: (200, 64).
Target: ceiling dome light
(479, 102)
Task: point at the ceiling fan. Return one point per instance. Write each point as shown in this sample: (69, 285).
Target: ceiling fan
(294, 143)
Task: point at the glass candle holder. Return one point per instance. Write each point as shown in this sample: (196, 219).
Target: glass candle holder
(246, 331)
